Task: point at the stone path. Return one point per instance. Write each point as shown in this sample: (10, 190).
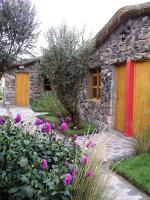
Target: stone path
(26, 113)
(124, 190)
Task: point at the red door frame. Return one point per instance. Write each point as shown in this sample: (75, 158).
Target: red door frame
(129, 98)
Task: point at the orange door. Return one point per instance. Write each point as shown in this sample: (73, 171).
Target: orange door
(120, 98)
(22, 89)
(141, 105)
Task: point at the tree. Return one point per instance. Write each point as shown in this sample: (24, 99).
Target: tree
(64, 63)
(18, 31)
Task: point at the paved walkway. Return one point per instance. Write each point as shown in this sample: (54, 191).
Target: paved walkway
(26, 113)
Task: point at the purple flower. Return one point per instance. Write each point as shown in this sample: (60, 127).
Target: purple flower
(59, 114)
(68, 120)
(2, 121)
(84, 159)
(73, 171)
(46, 128)
(38, 122)
(90, 144)
(43, 164)
(62, 120)
(67, 180)
(17, 119)
(63, 127)
(74, 137)
(66, 163)
(88, 173)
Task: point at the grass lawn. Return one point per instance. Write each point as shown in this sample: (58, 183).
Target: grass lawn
(137, 170)
(84, 125)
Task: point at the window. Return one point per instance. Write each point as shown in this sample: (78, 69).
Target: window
(94, 84)
(47, 85)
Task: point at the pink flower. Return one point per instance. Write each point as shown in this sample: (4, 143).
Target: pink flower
(88, 173)
(46, 128)
(74, 137)
(66, 163)
(63, 127)
(17, 119)
(67, 180)
(90, 144)
(84, 159)
(73, 171)
(2, 121)
(68, 120)
(43, 164)
(38, 122)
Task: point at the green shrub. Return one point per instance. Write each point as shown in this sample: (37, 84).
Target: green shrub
(141, 144)
(21, 152)
(48, 103)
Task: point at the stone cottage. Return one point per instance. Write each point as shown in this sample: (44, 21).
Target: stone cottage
(116, 91)
(24, 82)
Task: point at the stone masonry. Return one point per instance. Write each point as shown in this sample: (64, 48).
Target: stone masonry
(130, 41)
(36, 85)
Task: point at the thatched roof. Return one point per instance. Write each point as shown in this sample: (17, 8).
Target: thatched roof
(27, 62)
(119, 18)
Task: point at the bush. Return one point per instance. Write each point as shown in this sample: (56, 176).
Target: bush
(35, 163)
(49, 102)
(32, 162)
(141, 144)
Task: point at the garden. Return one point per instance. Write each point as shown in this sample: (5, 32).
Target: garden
(56, 113)
(36, 163)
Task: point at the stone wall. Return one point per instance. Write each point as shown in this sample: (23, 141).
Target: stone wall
(36, 85)
(130, 41)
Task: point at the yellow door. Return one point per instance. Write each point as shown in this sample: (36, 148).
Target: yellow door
(120, 98)
(141, 105)
(22, 89)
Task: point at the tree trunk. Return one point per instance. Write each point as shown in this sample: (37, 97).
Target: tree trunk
(71, 110)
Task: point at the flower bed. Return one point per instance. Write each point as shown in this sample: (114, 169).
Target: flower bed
(36, 164)
(85, 126)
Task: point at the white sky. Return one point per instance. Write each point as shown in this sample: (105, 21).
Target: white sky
(92, 13)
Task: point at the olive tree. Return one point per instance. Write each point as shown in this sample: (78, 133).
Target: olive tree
(18, 31)
(64, 63)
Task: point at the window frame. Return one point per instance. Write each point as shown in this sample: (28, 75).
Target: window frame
(95, 73)
(47, 84)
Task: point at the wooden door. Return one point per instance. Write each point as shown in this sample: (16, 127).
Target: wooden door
(120, 98)
(141, 105)
(22, 89)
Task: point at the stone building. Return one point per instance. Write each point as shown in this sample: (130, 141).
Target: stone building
(23, 83)
(116, 91)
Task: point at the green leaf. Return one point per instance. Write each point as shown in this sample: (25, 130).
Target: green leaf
(26, 142)
(29, 191)
(13, 190)
(42, 198)
(24, 179)
(23, 162)
(53, 193)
